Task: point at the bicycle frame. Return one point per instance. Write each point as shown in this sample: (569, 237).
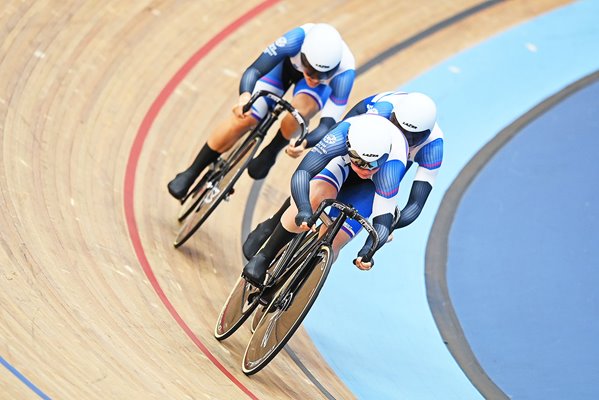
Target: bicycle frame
(213, 190)
(326, 239)
(281, 105)
(297, 292)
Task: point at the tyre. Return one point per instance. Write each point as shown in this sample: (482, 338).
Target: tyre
(195, 195)
(287, 311)
(240, 304)
(219, 187)
(309, 242)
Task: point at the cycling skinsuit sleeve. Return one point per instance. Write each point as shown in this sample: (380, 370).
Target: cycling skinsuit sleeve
(286, 46)
(331, 146)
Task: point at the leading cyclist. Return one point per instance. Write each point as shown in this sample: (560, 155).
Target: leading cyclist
(415, 116)
(315, 58)
(360, 162)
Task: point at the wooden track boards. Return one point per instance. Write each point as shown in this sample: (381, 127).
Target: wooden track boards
(79, 317)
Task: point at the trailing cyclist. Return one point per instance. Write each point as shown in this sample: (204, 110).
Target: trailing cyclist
(315, 59)
(415, 116)
(360, 162)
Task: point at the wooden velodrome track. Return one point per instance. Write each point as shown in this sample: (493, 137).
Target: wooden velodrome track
(101, 102)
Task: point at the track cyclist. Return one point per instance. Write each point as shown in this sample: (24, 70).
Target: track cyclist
(415, 116)
(315, 59)
(360, 162)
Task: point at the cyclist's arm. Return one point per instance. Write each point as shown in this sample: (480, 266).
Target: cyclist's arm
(285, 46)
(418, 196)
(429, 160)
(332, 145)
(341, 86)
(360, 108)
(328, 123)
(382, 226)
(325, 124)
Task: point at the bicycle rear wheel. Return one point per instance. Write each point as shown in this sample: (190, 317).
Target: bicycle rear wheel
(242, 301)
(220, 184)
(240, 304)
(308, 244)
(287, 311)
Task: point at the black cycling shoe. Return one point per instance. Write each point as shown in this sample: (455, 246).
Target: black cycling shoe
(179, 186)
(258, 168)
(255, 270)
(257, 238)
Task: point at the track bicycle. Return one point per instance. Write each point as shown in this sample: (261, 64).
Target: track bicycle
(292, 284)
(217, 184)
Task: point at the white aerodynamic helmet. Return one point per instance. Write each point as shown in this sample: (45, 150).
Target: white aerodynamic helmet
(321, 51)
(369, 140)
(415, 114)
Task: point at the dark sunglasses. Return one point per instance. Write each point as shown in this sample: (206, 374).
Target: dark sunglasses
(362, 164)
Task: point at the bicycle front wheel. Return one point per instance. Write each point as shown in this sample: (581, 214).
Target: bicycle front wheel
(286, 312)
(219, 187)
(195, 196)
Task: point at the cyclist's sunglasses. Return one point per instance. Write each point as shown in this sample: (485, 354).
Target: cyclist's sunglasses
(362, 164)
(413, 138)
(313, 73)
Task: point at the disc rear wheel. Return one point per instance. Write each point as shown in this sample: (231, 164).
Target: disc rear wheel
(240, 304)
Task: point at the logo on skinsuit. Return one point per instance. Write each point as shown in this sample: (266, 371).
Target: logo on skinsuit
(271, 49)
(281, 42)
(330, 139)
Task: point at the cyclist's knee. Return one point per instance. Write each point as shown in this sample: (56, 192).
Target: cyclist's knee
(240, 125)
(289, 125)
(305, 105)
(319, 191)
(340, 241)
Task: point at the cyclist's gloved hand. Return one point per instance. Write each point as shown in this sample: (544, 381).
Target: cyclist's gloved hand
(238, 108)
(294, 150)
(302, 218)
(364, 266)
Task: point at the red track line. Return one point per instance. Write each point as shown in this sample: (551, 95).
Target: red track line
(131, 169)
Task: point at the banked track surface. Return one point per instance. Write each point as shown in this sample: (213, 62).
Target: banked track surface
(80, 316)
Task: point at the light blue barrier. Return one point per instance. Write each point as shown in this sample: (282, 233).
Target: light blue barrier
(375, 328)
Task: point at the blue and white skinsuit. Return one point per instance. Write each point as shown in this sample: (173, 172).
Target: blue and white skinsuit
(428, 155)
(375, 197)
(280, 66)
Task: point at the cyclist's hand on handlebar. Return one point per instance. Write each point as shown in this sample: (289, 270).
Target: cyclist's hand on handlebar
(364, 266)
(301, 220)
(238, 109)
(294, 150)
(304, 227)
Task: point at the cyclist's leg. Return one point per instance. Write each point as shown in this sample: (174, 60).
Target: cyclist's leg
(258, 236)
(308, 101)
(221, 139)
(324, 186)
(278, 80)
